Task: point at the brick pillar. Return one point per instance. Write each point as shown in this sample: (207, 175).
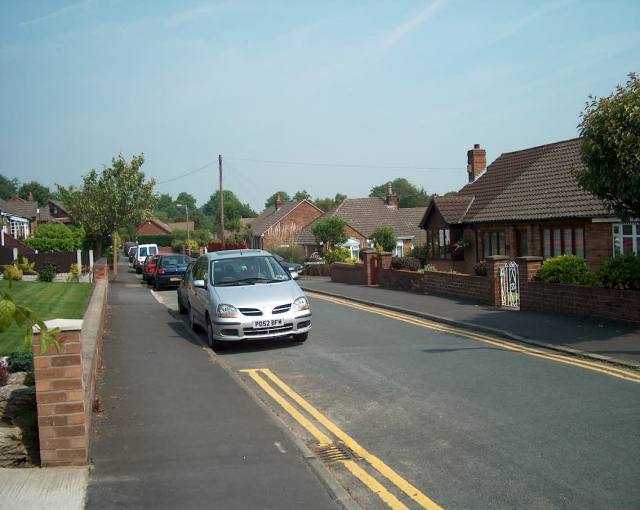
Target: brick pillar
(60, 400)
(493, 273)
(385, 260)
(528, 267)
(101, 271)
(370, 258)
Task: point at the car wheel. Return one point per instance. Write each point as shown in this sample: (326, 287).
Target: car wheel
(181, 308)
(192, 321)
(302, 337)
(212, 342)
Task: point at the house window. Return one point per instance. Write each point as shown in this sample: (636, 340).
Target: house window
(626, 238)
(399, 251)
(562, 241)
(494, 243)
(439, 243)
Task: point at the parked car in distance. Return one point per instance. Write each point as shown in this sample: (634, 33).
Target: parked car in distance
(168, 270)
(132, 253)
(183, 289)
(148, 268)
(244, 295)
(141, 253)
(292, 267)
(127, 246)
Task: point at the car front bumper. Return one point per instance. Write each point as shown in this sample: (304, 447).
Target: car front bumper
(241, 328)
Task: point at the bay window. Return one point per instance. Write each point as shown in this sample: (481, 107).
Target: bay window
(558, 241)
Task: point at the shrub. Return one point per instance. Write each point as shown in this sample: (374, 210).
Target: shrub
(160, 239)
(480, 269)
(4, 373)
(385, 237)
(293, 253)
(12, 273)
(429, 267)
(48, 272)
(620, 272)
(217, 246)
(74, 272)
(56, 237)
(337, 255)
(566, 269)
(420, 252)
(406, 263)
(20, 362)
(317, 270)
(26, 267)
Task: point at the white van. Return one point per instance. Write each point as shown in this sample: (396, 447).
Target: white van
(141, 253)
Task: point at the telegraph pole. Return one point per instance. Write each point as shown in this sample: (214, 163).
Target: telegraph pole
(221, 202)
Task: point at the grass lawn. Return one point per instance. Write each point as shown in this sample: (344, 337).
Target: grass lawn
(48, 301)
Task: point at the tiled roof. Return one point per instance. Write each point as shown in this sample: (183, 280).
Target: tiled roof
(453, 208)
(527, 185)
(180, 225)
(269, 217)
(19, 207)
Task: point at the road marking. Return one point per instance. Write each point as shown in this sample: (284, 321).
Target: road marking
(406, 487)
(279, 447)
(627, 375)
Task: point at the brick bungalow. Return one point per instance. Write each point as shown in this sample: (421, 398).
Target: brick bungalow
(364, 215)
(280, 224)
(526, 202)
(154, 227)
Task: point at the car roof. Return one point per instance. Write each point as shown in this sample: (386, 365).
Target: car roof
(227, 254)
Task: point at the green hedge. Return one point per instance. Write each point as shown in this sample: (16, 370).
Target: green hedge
(160, 239)
(620, 272)
(566, 269)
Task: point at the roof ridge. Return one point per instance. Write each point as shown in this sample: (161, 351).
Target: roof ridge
(542, 145)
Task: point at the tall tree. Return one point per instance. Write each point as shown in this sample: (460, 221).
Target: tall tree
(409, 195)
(8, 187)
(284, 196)
(40, 193)
(330, 231)
(233, 207)
(301, 195)
(187, 199)
(105, 202)
(328, 203)
(610, 131)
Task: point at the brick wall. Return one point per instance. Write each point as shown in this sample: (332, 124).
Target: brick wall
(60, 400)
(354, 274)
(598, 243)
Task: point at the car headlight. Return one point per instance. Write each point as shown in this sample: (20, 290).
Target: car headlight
(227, 311)
(300, 304)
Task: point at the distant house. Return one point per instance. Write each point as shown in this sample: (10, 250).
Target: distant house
(526, 202)
(13, 221)
(58, 212)
(364, 215)
(281, 224)
(154, 227)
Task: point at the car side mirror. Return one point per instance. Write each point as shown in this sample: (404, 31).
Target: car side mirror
(294, 275)
(200, 284)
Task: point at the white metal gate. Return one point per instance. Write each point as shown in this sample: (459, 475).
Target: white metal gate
(510, 286)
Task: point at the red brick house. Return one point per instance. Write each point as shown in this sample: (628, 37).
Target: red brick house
(526, 202)
(364, 215)
(280, 224)
(154, 227)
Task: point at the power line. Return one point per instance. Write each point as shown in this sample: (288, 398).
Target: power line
(342, 165)
(189, 173)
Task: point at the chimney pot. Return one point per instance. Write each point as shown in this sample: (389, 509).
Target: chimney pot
(476, 145)
(278, 201)
(392, 198)
(30, 196)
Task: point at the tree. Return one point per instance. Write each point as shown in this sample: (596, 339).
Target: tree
(330, 231)
(301, 195)
(8, 187)
(284, 196)
(40, 193)
(385, 237)
(118, 196)
(408, 194)
(610, 131)
(233, 207)
(186, 199)
(329, 203)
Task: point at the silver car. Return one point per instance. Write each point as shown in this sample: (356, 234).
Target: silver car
(243, 295)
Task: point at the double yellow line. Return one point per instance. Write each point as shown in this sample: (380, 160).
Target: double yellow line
(627, 375)
(324, 439)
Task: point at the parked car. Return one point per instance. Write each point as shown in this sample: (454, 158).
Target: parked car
(183, 289)
(141, 253)
(289, 266)
(148, 268)
(127, 246)
(243, 295)
(168, 270)
(132, 253)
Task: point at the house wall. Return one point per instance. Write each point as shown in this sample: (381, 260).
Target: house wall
(292, 223)
(149, 228)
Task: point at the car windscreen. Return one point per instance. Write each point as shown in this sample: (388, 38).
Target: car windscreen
(174, 260)
(246, 271)
(153, 250)
(142, 252)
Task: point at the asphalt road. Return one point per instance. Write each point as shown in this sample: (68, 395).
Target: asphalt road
(469, 424)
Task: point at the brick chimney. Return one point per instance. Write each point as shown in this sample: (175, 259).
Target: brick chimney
(392, 198)
(30, 196)
(278, 201)
(476, 162)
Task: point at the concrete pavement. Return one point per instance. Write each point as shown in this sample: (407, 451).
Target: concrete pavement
(43, 489)
(611, 341)
(177, 431)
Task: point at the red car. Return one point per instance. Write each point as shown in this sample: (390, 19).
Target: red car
(149, 268)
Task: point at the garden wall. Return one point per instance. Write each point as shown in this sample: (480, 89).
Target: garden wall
(354, 274)
(62, 260)
(606, 304)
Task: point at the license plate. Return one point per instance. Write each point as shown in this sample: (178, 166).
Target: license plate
(174, 279)
(268, 323)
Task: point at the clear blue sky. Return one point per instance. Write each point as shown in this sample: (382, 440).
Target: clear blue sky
(412, 84)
